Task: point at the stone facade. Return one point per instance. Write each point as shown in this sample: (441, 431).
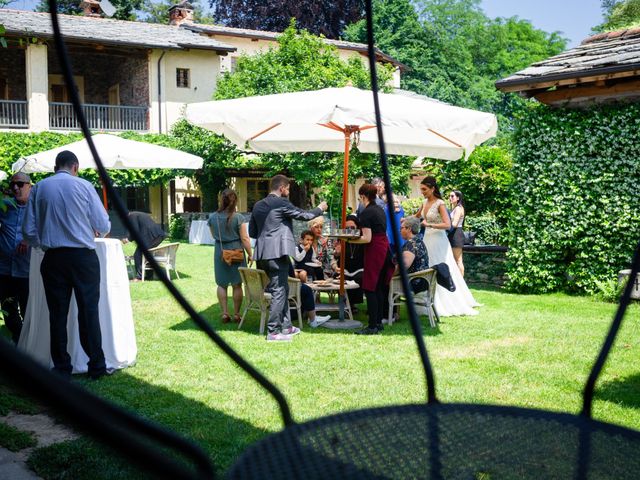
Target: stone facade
(13, 70)
(485, 265)
(103, 70)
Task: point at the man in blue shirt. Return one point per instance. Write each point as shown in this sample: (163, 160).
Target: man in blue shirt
(64, 215)
(14, 255)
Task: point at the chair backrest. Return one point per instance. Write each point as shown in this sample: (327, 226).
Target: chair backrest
(294, 288)
(255, 281)
(167, 252)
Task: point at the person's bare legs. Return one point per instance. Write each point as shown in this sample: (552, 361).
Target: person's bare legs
(457, 256)
(237, 299)
(222, 301)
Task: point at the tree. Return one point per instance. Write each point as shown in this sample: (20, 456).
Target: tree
(619, 14)
(301, 62)
(125, 9)
(455, 51)
(320, 18)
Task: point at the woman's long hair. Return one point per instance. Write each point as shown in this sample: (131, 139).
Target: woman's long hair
(432, 183)
(228, 201)
(460, 197)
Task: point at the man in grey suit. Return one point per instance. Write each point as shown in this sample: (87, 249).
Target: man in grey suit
(272, 228)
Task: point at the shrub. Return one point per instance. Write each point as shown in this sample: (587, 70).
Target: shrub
(488, 230)
(177, 227)
(575, 214)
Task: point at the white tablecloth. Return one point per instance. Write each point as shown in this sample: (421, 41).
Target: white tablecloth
(116, 318)
(200, 233)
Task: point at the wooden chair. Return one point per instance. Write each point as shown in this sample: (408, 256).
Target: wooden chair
(165, 255)
(256, 299)
(396, 294)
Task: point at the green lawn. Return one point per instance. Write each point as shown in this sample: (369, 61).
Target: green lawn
(531, 351)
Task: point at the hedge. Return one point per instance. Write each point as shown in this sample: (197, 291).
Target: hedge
(575, 214)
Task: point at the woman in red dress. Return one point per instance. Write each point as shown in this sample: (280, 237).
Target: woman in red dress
(378, 267)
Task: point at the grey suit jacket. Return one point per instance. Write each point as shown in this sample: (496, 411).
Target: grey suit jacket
(271, 226)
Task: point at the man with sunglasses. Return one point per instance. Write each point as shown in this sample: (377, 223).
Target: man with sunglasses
(14, 255)
(64, 215)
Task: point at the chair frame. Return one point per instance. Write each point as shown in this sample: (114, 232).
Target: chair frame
(167, 259)
(396, 294)
(261, 304)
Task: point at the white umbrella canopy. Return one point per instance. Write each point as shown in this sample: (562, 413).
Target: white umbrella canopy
(314, 121)
(115, 152)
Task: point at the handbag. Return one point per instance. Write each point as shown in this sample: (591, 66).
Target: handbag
(419, 284)
(231, 255)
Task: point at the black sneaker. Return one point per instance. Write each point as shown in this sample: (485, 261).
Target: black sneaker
(368, 331)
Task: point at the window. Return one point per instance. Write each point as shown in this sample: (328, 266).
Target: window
(4, 89)
(182, 77)
(234, 64)
(256, 190)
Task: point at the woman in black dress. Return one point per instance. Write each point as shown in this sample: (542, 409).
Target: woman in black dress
(378, 267)
(456, 236)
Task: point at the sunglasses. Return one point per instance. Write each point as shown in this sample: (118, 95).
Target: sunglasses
(18, 184)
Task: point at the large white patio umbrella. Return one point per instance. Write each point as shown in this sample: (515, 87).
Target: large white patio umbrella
(115, 152)
(335, 119)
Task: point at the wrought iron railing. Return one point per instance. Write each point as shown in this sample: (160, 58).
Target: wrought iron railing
(99, 117)
(13, 114)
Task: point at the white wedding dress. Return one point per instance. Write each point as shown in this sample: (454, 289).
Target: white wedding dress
(447, 303)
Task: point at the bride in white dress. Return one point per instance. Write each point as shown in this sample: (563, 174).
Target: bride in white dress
(437, 221)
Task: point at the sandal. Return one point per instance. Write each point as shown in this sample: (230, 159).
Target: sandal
(226, 318)
(237, 318)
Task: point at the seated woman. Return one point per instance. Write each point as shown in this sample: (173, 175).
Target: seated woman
(414, 252)
(308, 304)
(353, 264)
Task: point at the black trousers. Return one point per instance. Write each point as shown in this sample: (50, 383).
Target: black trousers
(14, 293)
(77, 270)
(278, 273)
(137, 256)
(376, 301)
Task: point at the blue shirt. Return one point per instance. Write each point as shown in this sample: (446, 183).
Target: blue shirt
(11, 262)
(64, 211)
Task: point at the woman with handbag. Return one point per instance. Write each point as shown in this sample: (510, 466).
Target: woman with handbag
(456, 234)
(231, 236)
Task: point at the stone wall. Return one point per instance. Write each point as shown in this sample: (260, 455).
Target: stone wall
(485, 264)
(13, 70)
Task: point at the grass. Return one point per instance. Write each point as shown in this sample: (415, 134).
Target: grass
(530, 351)
(13, 439)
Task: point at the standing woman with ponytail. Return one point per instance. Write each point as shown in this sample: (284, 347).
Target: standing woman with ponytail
(229, 231)
(456, 237)
(437, 222)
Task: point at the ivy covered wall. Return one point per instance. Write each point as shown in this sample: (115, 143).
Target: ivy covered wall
(575, 214)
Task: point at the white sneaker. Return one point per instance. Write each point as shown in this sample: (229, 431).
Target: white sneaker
(278, 337)
(320, 319)
(385, 321)
(291, 331)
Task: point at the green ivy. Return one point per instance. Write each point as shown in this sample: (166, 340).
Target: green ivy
(575, 213)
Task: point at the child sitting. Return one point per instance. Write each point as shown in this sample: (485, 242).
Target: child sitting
(304, 256)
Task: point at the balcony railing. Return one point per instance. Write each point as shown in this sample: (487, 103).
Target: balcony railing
(13, 114)
(99, 117)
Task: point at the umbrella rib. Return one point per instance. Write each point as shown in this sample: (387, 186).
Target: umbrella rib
(442, 136)
(264, 131)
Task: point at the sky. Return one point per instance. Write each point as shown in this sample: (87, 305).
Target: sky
(574, 18)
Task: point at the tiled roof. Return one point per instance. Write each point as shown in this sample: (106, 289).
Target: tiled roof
(108, 31)
(264, 35)
(602, 54)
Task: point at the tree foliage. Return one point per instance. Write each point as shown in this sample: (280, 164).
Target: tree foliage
(125, 9)
(320, 18)
(301, 62)
(619, 14)
(455, 52)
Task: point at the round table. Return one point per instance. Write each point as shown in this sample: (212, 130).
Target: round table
(333, 287)
(116, 317)
(199, 232)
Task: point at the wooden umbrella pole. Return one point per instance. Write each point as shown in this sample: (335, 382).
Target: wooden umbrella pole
(345, 196)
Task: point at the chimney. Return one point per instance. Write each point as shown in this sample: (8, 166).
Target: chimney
(91, 8)
(181, 12)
